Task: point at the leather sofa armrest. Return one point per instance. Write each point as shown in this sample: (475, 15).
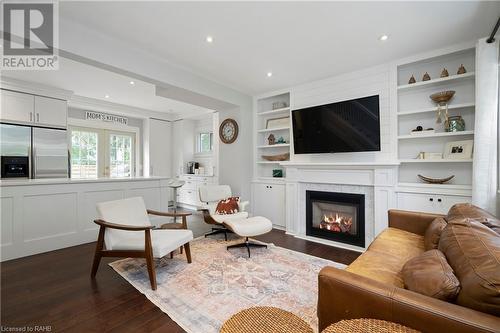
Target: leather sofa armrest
(345, 295)
(414, 222)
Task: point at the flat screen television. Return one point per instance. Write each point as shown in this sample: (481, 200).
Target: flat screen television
(348, 126)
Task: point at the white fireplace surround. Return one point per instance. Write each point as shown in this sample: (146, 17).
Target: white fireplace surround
(376, 181)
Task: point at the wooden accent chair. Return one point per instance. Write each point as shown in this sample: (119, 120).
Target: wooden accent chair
(126, 231)
(210, 195)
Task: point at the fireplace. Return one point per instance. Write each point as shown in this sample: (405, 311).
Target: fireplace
(336, 216)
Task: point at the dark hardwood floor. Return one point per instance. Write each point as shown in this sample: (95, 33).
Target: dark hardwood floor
(54, 289)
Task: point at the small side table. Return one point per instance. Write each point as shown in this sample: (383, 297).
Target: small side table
(265, 319)
(365, 325)
(175, 225)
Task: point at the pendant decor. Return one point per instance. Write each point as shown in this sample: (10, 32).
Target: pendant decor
(441, 99)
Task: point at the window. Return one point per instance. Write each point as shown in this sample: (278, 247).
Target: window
(101, 153)
(84, 154)
(204, 142)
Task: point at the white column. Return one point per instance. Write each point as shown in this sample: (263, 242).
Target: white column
(485, 181)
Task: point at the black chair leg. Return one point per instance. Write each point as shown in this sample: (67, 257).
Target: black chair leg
(216, 231)
(246, 244)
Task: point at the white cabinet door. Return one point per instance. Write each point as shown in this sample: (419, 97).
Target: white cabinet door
(429, 203)
(160, 156)
(269, 202)
(17, 107)
(50, 112)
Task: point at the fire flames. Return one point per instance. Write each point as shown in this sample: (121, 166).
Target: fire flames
(336, 223)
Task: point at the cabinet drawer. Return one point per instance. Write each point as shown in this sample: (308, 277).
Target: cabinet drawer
(430, 203)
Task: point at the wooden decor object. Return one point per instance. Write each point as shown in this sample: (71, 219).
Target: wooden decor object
(461, 69)
(444, 73)
(280, 157)
(436, 180)
(426, 77)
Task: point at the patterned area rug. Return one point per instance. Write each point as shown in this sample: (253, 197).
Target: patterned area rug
(202, 295)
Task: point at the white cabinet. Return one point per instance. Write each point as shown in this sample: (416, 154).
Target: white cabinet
(430, 203)
(50, 112)
(17, 107)
(268, 200)
(160, 137)
(188, 193)
(33, 110)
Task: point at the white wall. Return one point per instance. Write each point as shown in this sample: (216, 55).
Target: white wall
(366, 82)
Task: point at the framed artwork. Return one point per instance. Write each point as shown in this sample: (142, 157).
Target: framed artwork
(459, 150)
(278, 122)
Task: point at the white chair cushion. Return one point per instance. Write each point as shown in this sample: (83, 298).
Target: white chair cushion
(229, 217)
(252, 226)
(131, 211)
(163, 241)
(211, 193)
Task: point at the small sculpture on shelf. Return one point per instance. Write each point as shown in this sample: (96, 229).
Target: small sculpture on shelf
(412, 80)
(281, 140)
(461, 69)
(430, 180)
(271, 139)
(444, 73)
(441, 99)
(454, 124)
(426, 77)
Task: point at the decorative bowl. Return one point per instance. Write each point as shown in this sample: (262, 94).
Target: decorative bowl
(280, 157)
(442, 97)
(436, 180)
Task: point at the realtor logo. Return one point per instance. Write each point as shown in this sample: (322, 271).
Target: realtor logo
(30, 35)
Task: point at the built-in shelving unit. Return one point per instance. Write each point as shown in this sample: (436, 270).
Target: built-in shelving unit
(415, 108)
(263, 129)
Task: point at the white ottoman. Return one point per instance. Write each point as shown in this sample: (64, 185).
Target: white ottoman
(253, 226)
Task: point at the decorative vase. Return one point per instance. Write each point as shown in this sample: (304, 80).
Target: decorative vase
(454, 124)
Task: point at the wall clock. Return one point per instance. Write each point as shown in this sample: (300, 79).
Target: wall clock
(228, 130)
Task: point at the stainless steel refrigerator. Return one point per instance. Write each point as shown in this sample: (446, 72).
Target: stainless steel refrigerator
(46, 149)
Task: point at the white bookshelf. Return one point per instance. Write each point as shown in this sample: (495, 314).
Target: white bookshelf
(263, 170)
(415, 108)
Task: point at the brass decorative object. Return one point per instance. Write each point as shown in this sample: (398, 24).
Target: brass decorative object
(274, 158)
(444, 73)
(426, 77)
(436, 180)
(412, 80)
(461, 69)
(441, 99)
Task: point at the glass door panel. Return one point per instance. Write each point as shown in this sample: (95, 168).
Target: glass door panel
(121, 155)
(84, 153)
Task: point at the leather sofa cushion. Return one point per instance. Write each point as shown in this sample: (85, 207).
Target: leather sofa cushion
(433, 233)
(467, 210)
(385, 257)
(473, 251)
(430, 274)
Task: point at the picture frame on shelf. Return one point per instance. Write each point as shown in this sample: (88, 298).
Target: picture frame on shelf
(277, 122)
(459, 150)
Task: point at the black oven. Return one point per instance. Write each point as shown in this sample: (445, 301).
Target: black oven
(15, 167)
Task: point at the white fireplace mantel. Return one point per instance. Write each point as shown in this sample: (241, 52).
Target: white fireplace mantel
(376, 181)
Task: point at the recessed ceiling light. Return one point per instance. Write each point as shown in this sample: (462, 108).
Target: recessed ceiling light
(106, 96)
(269, 74)
(210, 39)
(383, 37)
(132, 83)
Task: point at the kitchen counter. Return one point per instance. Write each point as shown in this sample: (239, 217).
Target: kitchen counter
(56, 181)
(40, 215)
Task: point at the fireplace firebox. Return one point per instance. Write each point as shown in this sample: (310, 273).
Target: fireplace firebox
(336, 216)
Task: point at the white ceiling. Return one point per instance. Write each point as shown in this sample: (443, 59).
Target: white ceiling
(89, 81)
(297, 41)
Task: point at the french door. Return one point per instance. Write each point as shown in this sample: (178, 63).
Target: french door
(101, 153)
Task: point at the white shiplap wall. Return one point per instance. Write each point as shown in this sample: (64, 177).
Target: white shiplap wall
(366, 82)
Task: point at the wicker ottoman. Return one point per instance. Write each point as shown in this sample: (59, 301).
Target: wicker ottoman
(265, 319)
(367, 326)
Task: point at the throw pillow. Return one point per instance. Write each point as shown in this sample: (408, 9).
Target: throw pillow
(433, 233)
(228, 206)
(430, 274)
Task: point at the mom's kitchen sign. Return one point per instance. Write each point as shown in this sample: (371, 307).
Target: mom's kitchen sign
(106, 117)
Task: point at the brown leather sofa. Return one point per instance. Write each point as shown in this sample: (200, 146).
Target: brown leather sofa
(372, 286)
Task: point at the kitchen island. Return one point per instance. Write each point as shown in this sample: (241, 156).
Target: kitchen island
(40, 215)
